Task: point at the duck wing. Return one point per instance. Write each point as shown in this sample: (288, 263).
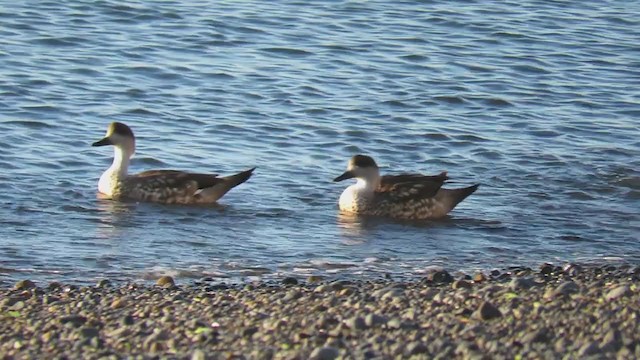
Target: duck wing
(176, 179)
(407, 186)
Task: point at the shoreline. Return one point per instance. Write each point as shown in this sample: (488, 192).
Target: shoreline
(551, 312)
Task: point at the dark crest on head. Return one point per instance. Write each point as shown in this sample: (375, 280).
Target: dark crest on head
(121, 129)
(363, 161)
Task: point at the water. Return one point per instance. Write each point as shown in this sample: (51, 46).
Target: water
(539, 102)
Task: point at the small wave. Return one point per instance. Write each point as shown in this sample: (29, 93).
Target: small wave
(450, 99)
(58, 42)
(286, 51)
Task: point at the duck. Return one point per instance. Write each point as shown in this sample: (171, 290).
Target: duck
(158, 186)
(404, 196)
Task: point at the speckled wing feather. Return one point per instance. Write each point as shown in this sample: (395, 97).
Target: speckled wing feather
(411, 185)
(176, 178)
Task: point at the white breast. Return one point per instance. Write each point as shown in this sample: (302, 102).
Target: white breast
(349, 198)
(105, 184)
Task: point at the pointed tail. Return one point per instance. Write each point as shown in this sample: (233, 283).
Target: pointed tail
(228, 182)
(452, 197)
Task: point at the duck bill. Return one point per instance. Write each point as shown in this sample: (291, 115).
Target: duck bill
(345, 176)
(102, 142)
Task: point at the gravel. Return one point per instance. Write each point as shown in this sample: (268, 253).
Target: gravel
(573, 311)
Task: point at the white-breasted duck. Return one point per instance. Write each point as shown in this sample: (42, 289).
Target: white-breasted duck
(160, 186)
(406, 196)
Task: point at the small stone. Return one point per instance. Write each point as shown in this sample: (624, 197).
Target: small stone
(292, 295)
(479, 277)
(546, 269)
(394, 323)
(89, 332)
(618, 292)
(416, 348)
(325, 353)
(289, 281)
(439, 277)
(340, 284)
(487, 311)
(322, 288)
(372, 320)
(118, 303)
(572, 269)
(612, 341)
(248, 332)
(127, 320)
(356, 323)
(565, 289)
(49, 299)
(346, 291)
(24, 285)
(75, 320)
(461, 284)
(590, 348)
(198, 354)
(539, 336)
(312, 279)
(53, 286)
(166, 282)
(104, 283)
(521, 283)
(392, 294)
(19, 305)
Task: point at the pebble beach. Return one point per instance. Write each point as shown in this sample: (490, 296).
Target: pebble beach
(570, 311)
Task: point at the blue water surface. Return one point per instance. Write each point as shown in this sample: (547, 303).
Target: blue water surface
(538, 101)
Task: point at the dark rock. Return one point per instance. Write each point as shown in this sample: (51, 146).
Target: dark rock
(439, 277)
(521, 284)
(572, 269)
(356, 323)
(566, 288)
(487, 311)
(248, 332)
(53, 286)
(12, 300)
(89, 332)
(538, 336)
(589, 348)
(373, 320)
(127, 320)
(546, 269)
(325, 353)
(19, 305)
(75, 320)
(461, 284)
(24, 285)
(289, 281)
(340, 284)
(49, 299)
(416, 348)
(612, 341)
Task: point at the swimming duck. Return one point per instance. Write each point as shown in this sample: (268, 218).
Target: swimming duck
(160, 186)
(406, 196)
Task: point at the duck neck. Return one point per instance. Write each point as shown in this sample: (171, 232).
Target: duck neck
(120, 165)
(369, 183)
